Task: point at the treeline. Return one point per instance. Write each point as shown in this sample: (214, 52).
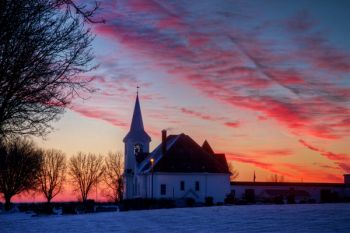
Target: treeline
(25, 167)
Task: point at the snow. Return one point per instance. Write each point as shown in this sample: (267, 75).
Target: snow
(252, 218)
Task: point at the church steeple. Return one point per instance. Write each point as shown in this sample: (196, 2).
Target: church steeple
(137, 130)
(136, 144)
(137, 123)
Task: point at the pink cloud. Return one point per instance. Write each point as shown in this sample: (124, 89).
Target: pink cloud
(274, 152)
(342, 160)
(309, 146)
(305, 173)
(94, 113)
(262, 118)
(239, 67)
(198, 114)
(255, 162)
(232, 124)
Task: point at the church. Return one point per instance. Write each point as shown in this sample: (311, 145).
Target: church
(178, 168)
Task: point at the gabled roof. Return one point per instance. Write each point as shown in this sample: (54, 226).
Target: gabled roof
(183, 155)
(221, 158)
(137, 131)
(145, 165)
(207, 147)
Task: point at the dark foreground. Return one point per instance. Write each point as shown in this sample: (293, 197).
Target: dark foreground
(247, 218)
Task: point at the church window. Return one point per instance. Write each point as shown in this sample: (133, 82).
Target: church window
(182, 185)
(197, 186)
(138, 149)
(163, 189)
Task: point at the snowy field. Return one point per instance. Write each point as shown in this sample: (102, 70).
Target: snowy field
(254, 218)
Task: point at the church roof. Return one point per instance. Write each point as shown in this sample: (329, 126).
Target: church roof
(141, 157)
(183, 155)
(137, 130)
(207, 147)
(221, 158)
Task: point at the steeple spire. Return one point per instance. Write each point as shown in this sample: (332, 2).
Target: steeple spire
(137, 130)
(137, 123)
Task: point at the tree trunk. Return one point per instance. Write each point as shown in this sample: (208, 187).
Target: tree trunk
(7, 203)
(49, 198)
(48, 207)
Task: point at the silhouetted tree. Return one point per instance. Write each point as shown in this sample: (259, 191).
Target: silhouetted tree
(113, 175)
(86, 12)
(234, 172)
(86, 171)
(20, 165)
(52, 173)
(276, 178)
(44, 46)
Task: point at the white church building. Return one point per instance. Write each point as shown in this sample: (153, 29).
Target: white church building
(178, 168)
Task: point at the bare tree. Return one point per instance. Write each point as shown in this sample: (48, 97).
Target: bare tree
(276, 178)
(20, 165)
(83, 10)
(113, 176)
(43, 49)
(52, 173)
(86, 171)
(234, 172)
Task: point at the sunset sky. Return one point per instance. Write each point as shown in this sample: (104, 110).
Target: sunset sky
(266, 82)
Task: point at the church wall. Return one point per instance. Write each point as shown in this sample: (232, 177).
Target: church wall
(214, 185)
(133, 187)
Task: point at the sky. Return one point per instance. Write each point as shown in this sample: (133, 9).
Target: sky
(265, 82)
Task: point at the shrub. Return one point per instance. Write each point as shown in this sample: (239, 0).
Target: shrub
(278, 200)
(230, 199)
(190, 202)
(69, 208)
(43, 208)
(145, 203)
(209, 201)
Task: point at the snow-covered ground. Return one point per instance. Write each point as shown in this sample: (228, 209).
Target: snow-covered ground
(253, 218)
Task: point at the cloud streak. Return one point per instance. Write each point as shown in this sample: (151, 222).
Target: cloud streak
(238, 65)
(342, 160)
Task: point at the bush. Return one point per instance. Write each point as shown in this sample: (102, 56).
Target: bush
(135, 204)
(44, 208)
(107, 208)
(278, 200)
(165, 203)
(89, 206)
(26, 207)
(145, 203)
(209, 201)
(290, 199)
(190, 202)
(230, 199)
(69, 208)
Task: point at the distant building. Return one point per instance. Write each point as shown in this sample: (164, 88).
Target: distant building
(293, 192)
(178, 168)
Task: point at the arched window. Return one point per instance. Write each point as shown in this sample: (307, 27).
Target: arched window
(138, 149)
